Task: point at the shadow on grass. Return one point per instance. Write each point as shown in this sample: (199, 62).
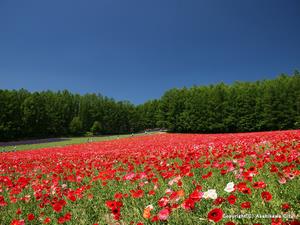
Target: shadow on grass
(28, 142)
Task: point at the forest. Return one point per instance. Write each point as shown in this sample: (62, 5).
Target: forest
(240, 107)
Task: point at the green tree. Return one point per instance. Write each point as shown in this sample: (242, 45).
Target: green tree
(243, 106)
(76, 126)
(96, 128)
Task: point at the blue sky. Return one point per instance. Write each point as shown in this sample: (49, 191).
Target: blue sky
(136, 49)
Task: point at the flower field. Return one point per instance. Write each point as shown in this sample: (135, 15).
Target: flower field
(228, 179)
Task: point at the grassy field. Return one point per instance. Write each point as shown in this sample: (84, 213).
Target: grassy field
(196, 179)
(65, 141)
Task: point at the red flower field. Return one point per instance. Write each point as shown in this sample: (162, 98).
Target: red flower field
(244, 178)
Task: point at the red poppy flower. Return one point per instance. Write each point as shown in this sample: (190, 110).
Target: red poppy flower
(230, 223)
(215, 215)
(266, 196)
(68, 216)
(72, 198)
(58, 206)
(163, 202)
(273, 169)
(252, 169)
(118, 195)
(61, 220)
(17, 222)
(196, 195)
(208, 175)
(113, 204)
(240, 186)
(154, 219)
(223, 172)
(2, 201)
(115, 211)
(259, 184)
(276, 221)
(46, 220)
(219, 201)
(246, 190)
(151, 192)
(246, 205)
(231, 199)
(179, 183)
(188, 204)
(294, 222)
(30, 217)
(115, 207)
(285, 206)
(137, 193)
(18, 212)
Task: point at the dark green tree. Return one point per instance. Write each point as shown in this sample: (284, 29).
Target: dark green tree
(76, 127)
(240, 107)
(96, 128)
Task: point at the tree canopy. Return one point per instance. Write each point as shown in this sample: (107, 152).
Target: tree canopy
(240, 107)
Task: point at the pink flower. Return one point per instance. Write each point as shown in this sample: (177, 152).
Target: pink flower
(163, 201)
(282, 180)
(163, 214)
(129, 176)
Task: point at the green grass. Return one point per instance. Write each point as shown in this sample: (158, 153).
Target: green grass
(67, 141)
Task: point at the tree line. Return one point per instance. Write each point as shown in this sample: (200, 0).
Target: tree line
(51, 114)
(240, 107)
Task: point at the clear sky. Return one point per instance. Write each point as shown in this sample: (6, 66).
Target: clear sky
(137, 49)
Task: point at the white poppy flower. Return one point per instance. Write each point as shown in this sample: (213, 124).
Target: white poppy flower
(229, 187)
(211, 193)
